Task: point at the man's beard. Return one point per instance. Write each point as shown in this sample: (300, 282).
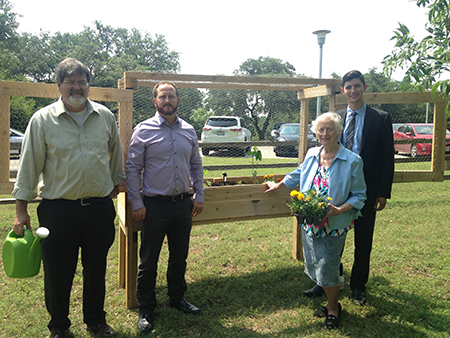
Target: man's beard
(76, 101)
(166, 113)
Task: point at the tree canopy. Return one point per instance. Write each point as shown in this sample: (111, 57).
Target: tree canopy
(257, 107)
(427, 60)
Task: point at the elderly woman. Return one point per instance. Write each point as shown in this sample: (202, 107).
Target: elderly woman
(333, 171)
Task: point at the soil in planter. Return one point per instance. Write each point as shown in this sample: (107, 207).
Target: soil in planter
(222, 183)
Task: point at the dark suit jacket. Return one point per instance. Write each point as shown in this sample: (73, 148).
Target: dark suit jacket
(377, 152)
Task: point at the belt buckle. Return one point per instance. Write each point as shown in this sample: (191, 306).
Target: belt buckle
(83, 203)
(174, 197)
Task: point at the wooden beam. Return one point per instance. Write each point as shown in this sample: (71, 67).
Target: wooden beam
(312, 92)
(395, 97)
(17, 88)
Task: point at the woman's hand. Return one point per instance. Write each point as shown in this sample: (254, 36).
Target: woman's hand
(333, 210)
(271, 186)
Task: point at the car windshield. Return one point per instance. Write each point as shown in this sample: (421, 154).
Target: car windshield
(424, 130)
(222, 122)
(290, 129)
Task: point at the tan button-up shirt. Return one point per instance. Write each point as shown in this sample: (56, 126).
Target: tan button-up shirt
(75, 161)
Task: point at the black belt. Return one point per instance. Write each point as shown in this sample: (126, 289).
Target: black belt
(85, 201)
(175, 198)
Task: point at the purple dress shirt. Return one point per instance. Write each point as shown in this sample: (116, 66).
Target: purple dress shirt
(168, 158)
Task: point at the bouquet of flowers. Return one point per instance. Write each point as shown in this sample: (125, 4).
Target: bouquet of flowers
(308, 204)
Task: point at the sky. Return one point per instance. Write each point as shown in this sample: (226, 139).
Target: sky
(216, 37)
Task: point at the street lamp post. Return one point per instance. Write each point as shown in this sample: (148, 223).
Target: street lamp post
(321, 41)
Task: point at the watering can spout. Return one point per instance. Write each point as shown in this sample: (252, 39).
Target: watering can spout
(33, 257)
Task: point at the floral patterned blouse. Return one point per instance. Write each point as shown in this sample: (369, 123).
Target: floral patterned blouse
(320, 186)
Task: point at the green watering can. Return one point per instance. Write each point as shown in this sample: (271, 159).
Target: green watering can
(22, 254)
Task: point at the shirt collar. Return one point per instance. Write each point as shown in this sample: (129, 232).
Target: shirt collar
(161, 120)
(361, 111)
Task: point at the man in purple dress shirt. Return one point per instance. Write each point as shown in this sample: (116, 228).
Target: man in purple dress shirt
(164, 157)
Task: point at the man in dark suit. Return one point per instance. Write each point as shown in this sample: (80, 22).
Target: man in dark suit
(371, 137)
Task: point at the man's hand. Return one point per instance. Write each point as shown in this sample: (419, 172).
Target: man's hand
(115, 191)
(139, 214)
(197, 209)
(22, 218)
(380, 203)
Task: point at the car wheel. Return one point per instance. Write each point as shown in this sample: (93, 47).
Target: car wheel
(205, 152)
(414, 151)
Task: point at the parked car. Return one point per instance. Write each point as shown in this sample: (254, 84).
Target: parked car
(417, 130)
(15, 141)
(225, 129)
(291, 132)
(276, 127)
(396, 125)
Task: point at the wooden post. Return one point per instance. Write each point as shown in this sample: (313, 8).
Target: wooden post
(128, 250)
(4, 135)
(439, 139)
(297, 246)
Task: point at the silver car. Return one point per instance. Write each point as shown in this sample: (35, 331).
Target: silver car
(225, 129)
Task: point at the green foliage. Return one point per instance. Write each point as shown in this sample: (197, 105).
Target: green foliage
(256, 155)
(424, 60)
(257, 107)
(308, 203)
(378, 82)
(108, 52)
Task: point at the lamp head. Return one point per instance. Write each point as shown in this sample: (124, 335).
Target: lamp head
(321, 36)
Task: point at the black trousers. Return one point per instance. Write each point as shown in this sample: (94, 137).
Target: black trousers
(72, 227)
(173, 219)
(364, 228)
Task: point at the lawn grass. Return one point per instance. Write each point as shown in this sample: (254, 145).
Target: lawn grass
(242, 275)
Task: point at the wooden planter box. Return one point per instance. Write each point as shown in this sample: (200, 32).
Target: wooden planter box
(221, 204)
(242, 202)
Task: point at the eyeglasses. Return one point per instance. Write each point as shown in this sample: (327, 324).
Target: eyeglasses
(81, 84)
(325, 130)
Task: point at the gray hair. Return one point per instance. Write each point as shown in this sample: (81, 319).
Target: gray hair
(70, 67)
(335, 118)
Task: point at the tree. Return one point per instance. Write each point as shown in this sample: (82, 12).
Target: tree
(425, 60)
(8, 39)
(108, 52)
(257, 107)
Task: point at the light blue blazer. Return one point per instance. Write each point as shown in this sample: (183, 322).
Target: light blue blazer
(346, 182)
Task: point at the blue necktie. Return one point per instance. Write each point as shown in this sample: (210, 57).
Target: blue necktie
(350, 133)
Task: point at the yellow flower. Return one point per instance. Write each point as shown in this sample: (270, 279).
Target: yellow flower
(300, 196)
(294, 193)
(271, 175)
(329, 198)
(265, 176)
(320, 204)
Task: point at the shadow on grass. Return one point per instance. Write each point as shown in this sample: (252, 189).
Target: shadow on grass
(251, 305)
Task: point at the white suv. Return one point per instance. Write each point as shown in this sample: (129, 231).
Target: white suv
(225, 129)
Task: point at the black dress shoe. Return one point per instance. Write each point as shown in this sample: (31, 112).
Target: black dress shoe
(359, 297)
(103, 330)
(145, 323)
(314, 292)
(57, 333)
(186, 307)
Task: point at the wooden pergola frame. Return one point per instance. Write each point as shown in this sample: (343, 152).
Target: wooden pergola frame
(306, 88)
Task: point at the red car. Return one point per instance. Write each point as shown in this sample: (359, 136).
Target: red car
(417, 130)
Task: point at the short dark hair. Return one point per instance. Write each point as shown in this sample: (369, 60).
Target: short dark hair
(69, 67)
(353, 74)
(155, 88)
